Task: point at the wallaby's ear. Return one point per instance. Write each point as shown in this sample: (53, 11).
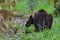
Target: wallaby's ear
(30, 16)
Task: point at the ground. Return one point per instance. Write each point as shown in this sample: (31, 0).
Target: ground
(53, 34)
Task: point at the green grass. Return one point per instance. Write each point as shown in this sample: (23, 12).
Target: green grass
(23, 7)
(53, 34)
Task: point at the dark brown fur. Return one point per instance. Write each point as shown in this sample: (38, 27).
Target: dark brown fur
(41, 20)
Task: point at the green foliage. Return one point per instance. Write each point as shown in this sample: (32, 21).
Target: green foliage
(24, 8)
